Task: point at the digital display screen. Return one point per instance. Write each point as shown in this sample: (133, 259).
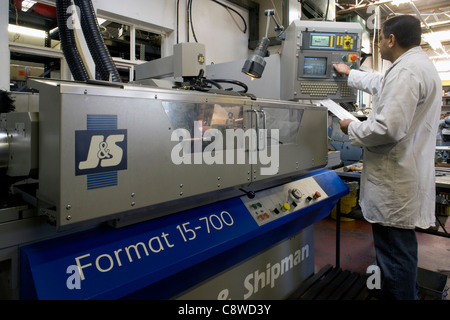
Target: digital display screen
(320, 41)
(315, 66)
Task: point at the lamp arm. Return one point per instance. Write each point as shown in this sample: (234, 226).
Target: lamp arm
(281, 35)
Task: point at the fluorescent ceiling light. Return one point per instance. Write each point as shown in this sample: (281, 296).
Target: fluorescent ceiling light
(26, 31)
(26, 5)
(399, 2)
(442, 64)
(435, 38)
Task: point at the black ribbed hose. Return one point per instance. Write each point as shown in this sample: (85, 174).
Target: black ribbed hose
(68, 43)
(99, 52)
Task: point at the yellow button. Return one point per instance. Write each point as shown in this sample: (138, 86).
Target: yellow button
(286, 207)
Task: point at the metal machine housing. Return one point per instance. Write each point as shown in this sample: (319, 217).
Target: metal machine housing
(19, 143)
(142, 116)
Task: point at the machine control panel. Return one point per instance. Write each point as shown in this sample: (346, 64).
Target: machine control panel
(316, 74)
(341, 48)
(313, 47)
(271, 204)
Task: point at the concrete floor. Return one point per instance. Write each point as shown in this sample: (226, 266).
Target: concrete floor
(357, 250)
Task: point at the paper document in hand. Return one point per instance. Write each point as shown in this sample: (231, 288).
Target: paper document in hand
(337, 110)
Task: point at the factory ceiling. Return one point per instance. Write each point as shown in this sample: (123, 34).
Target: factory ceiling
(434, 15)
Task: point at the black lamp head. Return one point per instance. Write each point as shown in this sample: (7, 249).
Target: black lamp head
(255, 63)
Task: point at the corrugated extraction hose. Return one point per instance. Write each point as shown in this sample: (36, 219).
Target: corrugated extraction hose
(99, 52)
(68, 43)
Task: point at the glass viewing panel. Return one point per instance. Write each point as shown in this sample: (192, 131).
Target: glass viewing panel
(198, 118)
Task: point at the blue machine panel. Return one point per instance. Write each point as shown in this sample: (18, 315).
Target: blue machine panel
(159, 257)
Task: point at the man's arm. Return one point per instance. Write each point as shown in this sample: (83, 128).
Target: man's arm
(342, 68)
(391, 120)
(367, 82)
(344, 125)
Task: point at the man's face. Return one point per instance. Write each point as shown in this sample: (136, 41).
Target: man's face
(384, 47)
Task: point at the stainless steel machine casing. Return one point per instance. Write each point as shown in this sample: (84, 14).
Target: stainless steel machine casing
(143, 118)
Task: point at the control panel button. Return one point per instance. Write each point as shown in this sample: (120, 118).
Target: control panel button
(256, 205)
(317, 195)
(286, 206)
(296, 194)
(352, 57)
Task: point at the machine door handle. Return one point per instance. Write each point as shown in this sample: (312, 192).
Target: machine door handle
(264, 132)
(256, 126)
(260, 114)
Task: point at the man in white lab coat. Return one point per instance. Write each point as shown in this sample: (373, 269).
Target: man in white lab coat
(398, 138)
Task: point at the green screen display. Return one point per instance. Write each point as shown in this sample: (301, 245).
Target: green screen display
(320, 41)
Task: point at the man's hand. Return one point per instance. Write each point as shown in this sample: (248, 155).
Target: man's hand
(342, 68)
(344, 125)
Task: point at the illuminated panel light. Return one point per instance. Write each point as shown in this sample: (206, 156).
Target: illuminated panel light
(26, 31)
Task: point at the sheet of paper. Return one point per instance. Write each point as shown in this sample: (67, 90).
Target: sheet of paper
(337, 110)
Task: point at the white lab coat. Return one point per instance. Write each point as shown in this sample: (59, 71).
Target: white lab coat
(399, 139)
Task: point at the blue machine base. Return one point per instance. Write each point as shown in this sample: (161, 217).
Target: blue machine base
(161, 258)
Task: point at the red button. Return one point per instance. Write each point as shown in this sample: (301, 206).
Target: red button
(267, 215)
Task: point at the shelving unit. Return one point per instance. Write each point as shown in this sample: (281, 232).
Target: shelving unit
(128, 44)
(445, 97)
(446, 93)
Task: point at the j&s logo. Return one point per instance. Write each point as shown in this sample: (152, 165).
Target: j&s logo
(99, 151)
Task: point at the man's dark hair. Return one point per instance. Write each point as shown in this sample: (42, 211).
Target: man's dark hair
(405, 28)
(6, 102)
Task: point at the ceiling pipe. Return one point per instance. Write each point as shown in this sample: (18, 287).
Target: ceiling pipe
(413, 6)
